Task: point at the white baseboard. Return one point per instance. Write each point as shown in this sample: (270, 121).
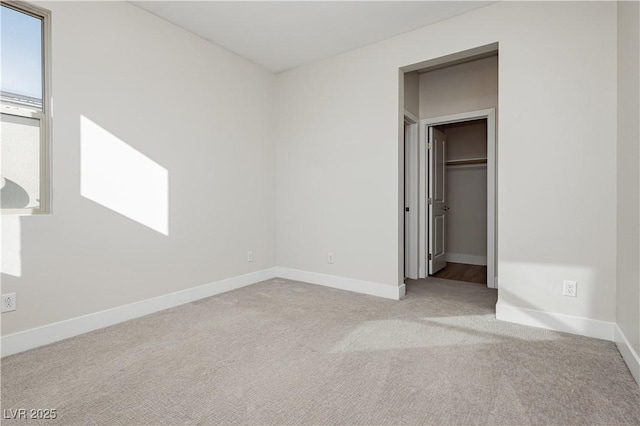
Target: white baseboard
(50, 333)
(54, 332)
(558, 322)
(342, 283)
(469, 259)
(629, 354)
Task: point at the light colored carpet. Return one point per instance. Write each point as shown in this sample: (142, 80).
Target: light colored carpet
(283, 352)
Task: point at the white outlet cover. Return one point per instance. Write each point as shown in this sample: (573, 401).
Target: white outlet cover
(570, 288)
(8, 302)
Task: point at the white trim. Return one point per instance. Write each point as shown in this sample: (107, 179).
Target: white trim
(411, 254)
(358, 286)
(490, 115)
(453, 59)
(558, 322)
(412, 118)
(628, 353)
(469, 259)
(54, 332)
(50, 333)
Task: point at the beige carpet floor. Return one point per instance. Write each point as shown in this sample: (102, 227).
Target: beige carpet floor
(283, 352)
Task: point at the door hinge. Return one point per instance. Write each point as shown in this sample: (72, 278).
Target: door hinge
(429, 200)
(429, 145)
(406, 209)
(429, 256)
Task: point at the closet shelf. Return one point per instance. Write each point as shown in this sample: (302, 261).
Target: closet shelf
(467, 162)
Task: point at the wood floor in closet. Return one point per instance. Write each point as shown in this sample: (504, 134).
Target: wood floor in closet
(463, 272)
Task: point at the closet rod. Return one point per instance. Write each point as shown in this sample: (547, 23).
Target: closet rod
(467, 161)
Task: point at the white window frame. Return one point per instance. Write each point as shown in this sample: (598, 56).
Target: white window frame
(44, 115)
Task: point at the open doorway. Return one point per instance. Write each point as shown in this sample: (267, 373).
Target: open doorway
(456, 180)
(459, 229)
(458, 148)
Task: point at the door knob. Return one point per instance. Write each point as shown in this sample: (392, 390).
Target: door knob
(445, 208)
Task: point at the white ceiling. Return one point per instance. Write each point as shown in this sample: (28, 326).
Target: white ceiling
(280, 35)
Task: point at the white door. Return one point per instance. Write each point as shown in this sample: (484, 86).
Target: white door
(437, 208)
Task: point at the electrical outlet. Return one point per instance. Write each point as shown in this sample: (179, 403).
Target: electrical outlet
(569, 288)
(249, 256)
(8, 302)
(330, 258)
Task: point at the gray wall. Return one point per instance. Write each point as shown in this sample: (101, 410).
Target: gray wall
(338, 181)
(465, 87)
(185, 106)
(411, 93)
(628, 175)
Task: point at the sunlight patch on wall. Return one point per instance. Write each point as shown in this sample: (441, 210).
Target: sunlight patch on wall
(539, 285)
(120, 178)
(10, 248)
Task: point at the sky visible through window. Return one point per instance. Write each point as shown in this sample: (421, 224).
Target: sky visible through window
(20, 53)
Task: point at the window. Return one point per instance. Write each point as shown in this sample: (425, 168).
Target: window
(24, 125)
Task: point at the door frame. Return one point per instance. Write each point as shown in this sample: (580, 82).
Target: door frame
(411, 195)
(492, 224)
